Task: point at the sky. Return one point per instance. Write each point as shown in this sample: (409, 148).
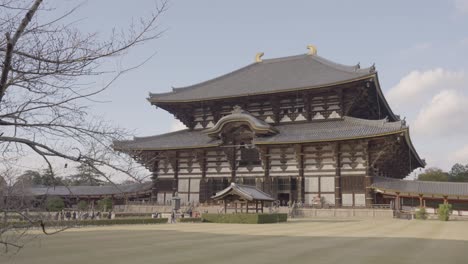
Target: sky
(420, 49)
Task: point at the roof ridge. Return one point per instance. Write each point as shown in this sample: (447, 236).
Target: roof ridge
(341, 67)
(319, 59)
(193, 86)
(159, 135)
(378, 122)
(418, 181)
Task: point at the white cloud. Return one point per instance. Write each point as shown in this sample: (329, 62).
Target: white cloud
(445, 115)
(436, 104)
(177, 125)
(462, 6)
(417, 87)
(461, 155)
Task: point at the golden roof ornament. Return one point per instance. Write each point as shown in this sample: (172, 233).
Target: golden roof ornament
(258, 57)
(312, 49)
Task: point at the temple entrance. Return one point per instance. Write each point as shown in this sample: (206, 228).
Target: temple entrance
(283, 198)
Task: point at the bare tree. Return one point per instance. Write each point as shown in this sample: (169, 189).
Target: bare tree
(44, 98)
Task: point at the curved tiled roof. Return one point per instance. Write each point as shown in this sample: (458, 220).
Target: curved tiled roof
(91, 190)
(240, 115)
(247, 192)
(268, 76)
(347, 128)
(332, 130)
(421, 187)
(181, 139)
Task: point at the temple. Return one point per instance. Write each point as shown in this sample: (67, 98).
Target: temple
(298, 128)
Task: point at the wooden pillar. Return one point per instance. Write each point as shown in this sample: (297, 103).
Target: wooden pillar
(338, 200)
(233, 162)
(265, 158)
(247, 207)
(256, 207)
(262, 205)
(368, 179)
(154, 178)
(299, 149)
(421, 203)
(225, 206)
(397, 201)
(235, 207)
(188, 196)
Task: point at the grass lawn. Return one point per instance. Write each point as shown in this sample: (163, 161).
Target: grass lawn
(299, 241)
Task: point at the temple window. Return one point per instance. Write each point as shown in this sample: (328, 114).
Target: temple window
(249, 156)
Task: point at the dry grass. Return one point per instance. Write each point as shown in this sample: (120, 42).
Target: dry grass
(300, 241)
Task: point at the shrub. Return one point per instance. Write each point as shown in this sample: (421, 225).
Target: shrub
(132, 215)
(421, 214)
(245, 218)
(104, 204)
(82, 205)
(189, 220)
(55, 204)
(444, 211)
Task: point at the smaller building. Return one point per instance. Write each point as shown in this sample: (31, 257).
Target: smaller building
(429, 194)
(120, 194)
(244, 195)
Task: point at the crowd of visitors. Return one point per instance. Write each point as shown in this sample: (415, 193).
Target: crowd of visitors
(66, 215)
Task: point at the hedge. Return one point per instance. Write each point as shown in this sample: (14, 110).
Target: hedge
(245, 218)
(124, 215)
(102, 222)
(189, 220)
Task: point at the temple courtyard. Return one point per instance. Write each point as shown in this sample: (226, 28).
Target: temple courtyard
(298, 241)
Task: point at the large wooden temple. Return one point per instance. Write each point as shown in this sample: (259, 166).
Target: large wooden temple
(297, 127)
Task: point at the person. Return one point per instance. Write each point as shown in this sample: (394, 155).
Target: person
(74, 215)
(190, 212)
(98, 215)
(67, 215)
(173, 217)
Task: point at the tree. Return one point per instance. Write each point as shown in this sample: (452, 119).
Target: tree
(87, 175)
(33, 176)
(105, 204)
(433, 174)
(459, 173)
(44, 96)
(82, 205)
(55, 204)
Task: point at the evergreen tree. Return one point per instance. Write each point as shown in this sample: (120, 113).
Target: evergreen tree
(433, 174)
(459, 173)
(87, 175)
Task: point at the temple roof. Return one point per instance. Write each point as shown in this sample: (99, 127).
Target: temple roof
(268, 76)
(341, 129)
(346, 128)
(259, 126)
(246, 192)
(91, 190)
(420, 187)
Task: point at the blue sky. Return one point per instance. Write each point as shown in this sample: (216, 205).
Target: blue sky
(419, 47)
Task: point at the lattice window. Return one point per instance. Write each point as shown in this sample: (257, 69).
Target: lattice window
(249, 156)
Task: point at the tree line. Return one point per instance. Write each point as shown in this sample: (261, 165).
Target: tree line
(85, 176)
(458, 173)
